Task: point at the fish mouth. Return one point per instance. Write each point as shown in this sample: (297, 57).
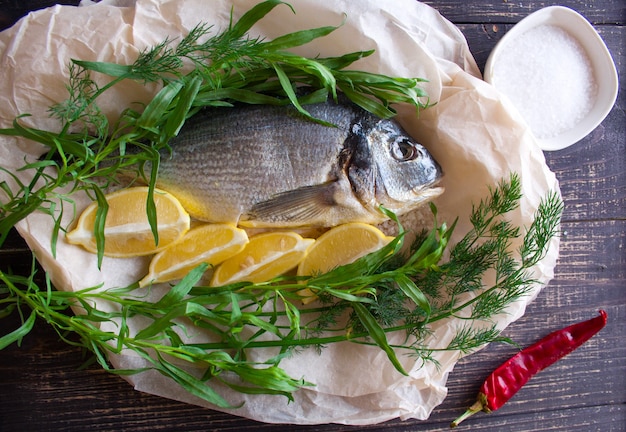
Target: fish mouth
(417, 197)
(430, 185)
(430, 192)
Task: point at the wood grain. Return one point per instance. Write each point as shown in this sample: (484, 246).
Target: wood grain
(510, 11)
(42, 387)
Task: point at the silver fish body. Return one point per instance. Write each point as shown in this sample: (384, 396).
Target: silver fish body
(267, 166)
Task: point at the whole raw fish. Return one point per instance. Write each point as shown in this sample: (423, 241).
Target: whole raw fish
(268, 166)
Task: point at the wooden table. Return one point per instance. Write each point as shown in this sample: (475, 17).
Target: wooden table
(42, 388)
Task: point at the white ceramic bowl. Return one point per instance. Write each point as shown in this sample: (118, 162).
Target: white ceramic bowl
(602, 66)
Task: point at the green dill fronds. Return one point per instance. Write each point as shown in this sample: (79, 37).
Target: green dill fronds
(201, 69)
(385, 292)
(544, 228)
(79, 109)
(469, 338)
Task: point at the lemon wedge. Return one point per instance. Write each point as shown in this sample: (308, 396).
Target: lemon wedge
(210, 243)
(127, 232)
(264, 257)
(342, 245)
(339, 246)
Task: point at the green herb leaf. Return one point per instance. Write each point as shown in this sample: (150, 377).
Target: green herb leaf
(100, 221)
(411, 290)
(253, 16)
(18, 334)
(110, 69)
(179, 291)
(377, 333)
(296, 39)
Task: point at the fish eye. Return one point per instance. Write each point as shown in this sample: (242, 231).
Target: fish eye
(404, 150)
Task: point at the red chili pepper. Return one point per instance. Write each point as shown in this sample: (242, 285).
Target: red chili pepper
(511, 375)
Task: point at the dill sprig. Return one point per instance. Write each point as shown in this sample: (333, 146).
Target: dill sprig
(391, 291)
(201, 69)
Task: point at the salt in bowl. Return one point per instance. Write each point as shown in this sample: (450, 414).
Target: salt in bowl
(558, 73)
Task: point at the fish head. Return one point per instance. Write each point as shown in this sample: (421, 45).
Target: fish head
(406, 174)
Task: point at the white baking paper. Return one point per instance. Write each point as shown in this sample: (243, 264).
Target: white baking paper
(472, 131)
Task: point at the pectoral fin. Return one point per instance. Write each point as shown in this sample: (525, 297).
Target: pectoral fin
(307, 205)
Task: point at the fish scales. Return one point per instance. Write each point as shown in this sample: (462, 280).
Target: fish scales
(268, 166)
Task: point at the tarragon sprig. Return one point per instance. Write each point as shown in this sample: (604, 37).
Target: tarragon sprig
(201, 69)
(394, 290)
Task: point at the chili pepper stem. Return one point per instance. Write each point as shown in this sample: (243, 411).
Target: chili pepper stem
(479, 405)
(511, 375)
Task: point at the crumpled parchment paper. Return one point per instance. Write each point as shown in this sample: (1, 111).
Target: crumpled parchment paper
(472, 131)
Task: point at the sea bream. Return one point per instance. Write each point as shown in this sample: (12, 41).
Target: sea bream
(268, 166)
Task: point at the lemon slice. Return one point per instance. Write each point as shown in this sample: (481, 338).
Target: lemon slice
(265, 257)
(127, 231)
(342, 245)
(211, 244)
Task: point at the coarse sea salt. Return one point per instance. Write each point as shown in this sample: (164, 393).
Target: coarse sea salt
(548, 76)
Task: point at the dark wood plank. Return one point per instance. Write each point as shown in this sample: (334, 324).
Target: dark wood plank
(12, 10)
(42, 388)
(509, 11)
